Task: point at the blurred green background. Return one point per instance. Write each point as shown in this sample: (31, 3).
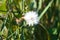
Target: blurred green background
(47, 29)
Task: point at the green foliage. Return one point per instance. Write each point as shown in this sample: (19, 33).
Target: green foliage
(49, 16)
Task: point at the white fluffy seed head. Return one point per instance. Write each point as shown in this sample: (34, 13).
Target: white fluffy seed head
(31, 18)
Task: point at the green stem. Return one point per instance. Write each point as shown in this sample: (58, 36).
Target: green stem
(23, 5)
(46, 31)
(45, 9)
